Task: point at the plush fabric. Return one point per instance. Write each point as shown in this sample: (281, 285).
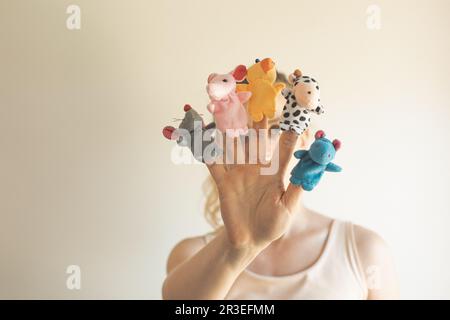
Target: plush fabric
(226, 104)
(302, 100)
(261, 77)
(191, 131)
(315, 161)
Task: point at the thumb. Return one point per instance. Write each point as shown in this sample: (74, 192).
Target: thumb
(292, 195)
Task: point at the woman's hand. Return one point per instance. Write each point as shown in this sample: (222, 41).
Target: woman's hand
(256, 208)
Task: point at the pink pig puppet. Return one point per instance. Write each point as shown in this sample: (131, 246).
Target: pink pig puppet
(226, 104)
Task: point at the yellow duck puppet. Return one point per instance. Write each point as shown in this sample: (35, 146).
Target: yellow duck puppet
(261, 77)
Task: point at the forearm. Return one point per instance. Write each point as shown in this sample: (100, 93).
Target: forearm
(211, 272)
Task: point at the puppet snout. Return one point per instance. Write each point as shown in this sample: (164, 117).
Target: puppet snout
(306, 95)
(220, 87)
(267, 64)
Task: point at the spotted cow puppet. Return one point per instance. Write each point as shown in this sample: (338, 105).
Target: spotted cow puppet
(302, 100)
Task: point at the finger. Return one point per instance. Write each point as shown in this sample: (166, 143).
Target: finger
(234, 150)
(261, 124)
(291, 196)
(251, 147)
(261, 139)
(246, 146)
(230, 151)
(240, 150)
(284, 150)
(221, 141)
(219, 162)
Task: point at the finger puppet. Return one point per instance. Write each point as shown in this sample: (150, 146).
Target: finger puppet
(302, 100)
(315, 161)
(261, 77)
(226, 104)
(193, 128)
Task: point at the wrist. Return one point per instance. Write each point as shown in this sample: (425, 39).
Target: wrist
(240, 256)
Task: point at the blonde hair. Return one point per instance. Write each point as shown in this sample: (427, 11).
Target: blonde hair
(212, 204)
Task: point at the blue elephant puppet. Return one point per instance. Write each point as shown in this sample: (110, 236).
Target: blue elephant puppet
(315, 161)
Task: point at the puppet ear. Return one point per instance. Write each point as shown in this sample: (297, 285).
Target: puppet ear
(211, 76)
(239, 73)
(297, 74)
(319, 134)
(169, 133)
(336, 144)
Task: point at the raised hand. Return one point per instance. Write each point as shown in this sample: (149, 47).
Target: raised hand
(256, 208)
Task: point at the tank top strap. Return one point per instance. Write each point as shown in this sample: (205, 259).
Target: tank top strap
(352, 254)
(331, 249)
(338, 241)
(340, 253)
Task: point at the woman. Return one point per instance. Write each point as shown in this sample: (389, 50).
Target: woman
(272, 247)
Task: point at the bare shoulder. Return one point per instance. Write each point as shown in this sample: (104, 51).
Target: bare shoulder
(183, 250)
(377, 263)
(370, 245)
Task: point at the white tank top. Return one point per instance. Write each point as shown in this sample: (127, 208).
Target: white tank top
(337, 274)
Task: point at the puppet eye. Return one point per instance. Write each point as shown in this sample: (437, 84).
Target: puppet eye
(257, 60)
(225, 80)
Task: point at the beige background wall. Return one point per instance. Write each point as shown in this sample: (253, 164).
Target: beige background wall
(86, 177)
